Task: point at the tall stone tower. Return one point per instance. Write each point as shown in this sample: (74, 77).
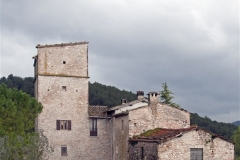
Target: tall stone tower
(61, 85)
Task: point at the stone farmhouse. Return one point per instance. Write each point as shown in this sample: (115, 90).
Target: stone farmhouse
(144, 129)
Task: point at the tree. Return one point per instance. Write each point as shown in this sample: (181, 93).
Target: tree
(18, 111)
(236, 139)
(166, 96)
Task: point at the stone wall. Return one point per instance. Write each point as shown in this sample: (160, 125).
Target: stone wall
(164, 116)
(66, 60)
(222, 149)
(120, 137)
(140, 120)
(171, 118)
(143, 151)
(179, 147)
(62, 88)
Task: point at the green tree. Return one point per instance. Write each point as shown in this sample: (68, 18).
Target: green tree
(18, 111)
(166, 96)
(236, 139)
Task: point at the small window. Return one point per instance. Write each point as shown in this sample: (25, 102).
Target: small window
(196, 154)
(64, 88)
(64, 62)
(93, 127)
(142, 152)
(64, 125)
(64, 150)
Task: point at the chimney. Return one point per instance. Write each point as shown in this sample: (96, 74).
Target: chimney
(123, 101)
(153, 98)
(140, 94)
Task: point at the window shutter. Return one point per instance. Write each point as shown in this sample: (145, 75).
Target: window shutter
(69, 125)
(58, 124)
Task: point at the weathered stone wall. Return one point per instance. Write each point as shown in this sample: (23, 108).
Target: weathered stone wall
(140, 120)
(171, 118)
(67, 60)
(68, 103)
(179, 148)
(143, 119)
(98, 147)
(120, 137)
(143, 151)
(222, 149)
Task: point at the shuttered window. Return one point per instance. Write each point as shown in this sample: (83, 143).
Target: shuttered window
(93, 127)
(63, 124)
(196, 154)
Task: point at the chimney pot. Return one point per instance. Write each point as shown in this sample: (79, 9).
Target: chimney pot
(140, 94)
(153, 97)
(123, 101)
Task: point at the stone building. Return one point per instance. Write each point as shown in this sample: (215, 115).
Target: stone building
(190, 143)
(61, 85)
(78, 131)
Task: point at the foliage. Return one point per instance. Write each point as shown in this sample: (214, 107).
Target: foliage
(23, 84)
(28, 146)
(237, 123)
(224, 129)
(166, 96)
(100, 94)
(18, 111)
(150, 132)
(236, 139)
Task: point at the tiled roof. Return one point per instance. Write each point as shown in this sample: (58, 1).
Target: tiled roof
(60, 45)
(163, 135)
(97, 111)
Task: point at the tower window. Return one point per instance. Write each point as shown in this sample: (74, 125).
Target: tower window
(64, 88)
(64, 150)
(64, 62)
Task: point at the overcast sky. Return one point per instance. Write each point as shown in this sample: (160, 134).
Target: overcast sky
(193, 45)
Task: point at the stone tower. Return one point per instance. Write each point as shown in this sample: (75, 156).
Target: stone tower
(61, 85)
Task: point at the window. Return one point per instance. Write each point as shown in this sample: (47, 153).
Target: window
(64, 88)
(142, 152)
(64, 62)
(64, 150)
(64, 124)
(93, 127)
(196, 154)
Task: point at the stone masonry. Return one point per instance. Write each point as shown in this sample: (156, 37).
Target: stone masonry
(186, 143)
(61, 85)
(213, 149)
(156, 115)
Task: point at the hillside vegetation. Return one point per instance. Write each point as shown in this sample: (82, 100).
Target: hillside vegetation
(237, 123)
(110, 96)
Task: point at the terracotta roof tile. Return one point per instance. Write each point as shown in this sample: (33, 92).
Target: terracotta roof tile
(97, 111)
(163, 134)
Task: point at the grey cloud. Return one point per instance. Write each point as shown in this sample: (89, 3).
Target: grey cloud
(193, 46)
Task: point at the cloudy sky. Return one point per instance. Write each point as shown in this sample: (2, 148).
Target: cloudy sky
(135, 45)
